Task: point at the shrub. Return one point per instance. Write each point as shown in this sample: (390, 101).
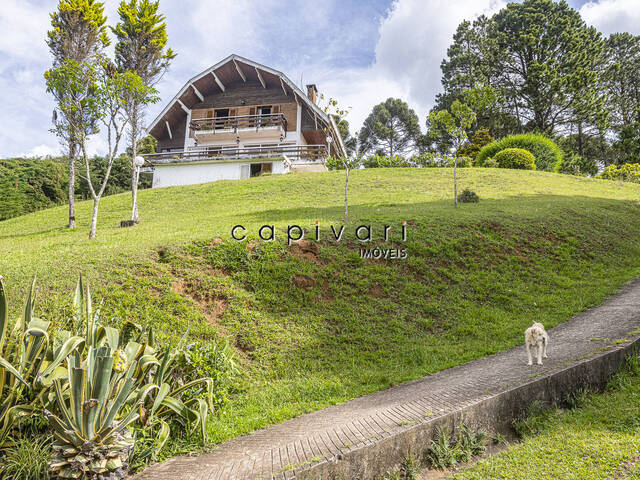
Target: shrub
(468, 196)
(382, 161)
(545, 151)
(479, 139)
(439, 160)
(629, 172)
(515, 158)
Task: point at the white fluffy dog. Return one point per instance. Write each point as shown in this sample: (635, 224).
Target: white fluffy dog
(536, 336)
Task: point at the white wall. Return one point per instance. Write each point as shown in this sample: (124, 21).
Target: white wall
(195, 173)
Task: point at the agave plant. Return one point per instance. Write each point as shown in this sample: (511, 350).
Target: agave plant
(133, 346)
(28, 363)
(94, 408)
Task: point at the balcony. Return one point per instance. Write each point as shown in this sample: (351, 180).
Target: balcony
(293, 153)
(224, 128)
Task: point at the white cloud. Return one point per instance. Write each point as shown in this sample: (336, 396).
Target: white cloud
(42, 150)
(413, 40)
(612, 16)
(22, 25)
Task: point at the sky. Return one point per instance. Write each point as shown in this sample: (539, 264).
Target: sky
(360, 52)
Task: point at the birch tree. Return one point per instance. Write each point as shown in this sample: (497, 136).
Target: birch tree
(141, 48)
(78, 34)
(100, 101)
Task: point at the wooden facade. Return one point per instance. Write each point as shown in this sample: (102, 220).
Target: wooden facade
(237, 87)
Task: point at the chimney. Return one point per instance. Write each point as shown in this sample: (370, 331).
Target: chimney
(312, 93)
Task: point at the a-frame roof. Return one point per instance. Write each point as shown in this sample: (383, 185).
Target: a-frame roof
(217, 73)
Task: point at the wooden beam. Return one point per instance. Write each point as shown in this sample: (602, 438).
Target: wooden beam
(220, 84)
(184, 107)
(198, 94)
(169, 130)
(282, 85)
(244, 79)
(264, 85)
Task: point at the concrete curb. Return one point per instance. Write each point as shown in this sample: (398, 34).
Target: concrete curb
(494, 414)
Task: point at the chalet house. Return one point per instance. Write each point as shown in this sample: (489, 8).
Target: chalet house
(240, 119)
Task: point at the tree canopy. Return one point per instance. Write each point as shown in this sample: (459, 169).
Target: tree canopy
(392, 128)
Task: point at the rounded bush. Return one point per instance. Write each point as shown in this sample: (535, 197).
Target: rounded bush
(515, 158)
(545, 151)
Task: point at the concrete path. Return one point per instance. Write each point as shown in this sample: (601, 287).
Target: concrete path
(314, 442)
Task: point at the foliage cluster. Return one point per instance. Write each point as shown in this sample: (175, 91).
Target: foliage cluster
(468, 196)
(31, 184)
(446, 452)
(547, 154)
(628, 172)
(517, 158)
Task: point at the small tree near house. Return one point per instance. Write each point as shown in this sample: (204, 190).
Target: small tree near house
(453, 124)
(101, 95)
(78, 33)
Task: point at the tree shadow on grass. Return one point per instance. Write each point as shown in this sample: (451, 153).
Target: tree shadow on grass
(519, 206)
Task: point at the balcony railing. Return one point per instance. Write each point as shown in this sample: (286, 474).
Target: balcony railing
(207, 154)
(238, 122)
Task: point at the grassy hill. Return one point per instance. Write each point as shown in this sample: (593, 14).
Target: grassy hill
(318, 325)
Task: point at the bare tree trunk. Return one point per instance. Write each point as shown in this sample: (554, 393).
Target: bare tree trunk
(346, 194)
(134, 169)
(72, 186)
(455, 181)
(94, 218)
(580, 140)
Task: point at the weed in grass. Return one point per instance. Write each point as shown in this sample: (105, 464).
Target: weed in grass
(441, 453)
(533, 420)
(471, 442)
(28, 459)
(498, 439)
(577, 398)
(445, 454)
(409, 468)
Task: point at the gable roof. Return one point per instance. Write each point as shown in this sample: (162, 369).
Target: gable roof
(257, 66)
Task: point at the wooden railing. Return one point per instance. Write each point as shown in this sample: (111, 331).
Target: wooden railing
(236, 122)
(200, 154)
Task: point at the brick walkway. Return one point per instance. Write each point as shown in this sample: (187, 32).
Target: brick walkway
(282, 451)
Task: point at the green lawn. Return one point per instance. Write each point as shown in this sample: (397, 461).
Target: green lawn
(600, 440)
(318, 328)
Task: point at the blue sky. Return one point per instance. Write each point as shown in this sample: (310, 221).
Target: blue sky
(358, 51)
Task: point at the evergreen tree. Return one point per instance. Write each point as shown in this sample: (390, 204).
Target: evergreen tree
(391, 128)
(550, 60)
(622, 83)
(141, 48)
